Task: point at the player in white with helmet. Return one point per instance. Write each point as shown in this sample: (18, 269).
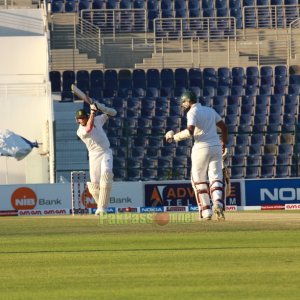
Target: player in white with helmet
(90, 131)
(206, 156)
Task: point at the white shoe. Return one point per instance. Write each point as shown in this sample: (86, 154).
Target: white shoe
(207, 214)
(219, 211)
(98, 212)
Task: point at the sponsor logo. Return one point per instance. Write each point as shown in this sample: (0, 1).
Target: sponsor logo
(114, 200)
(23, 198)
(110, 210)
(42, 212)
(292, 206)
(87, 199)
(231, 208)
(175, 208)
(6, 213)
(193, 208)
(151, 209)
(127, 209)
(280, 194)
(272, 207)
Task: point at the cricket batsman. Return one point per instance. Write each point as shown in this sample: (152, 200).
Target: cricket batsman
(206, 156)
(90, 131)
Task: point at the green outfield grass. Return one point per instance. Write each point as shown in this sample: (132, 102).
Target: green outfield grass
(252, 255)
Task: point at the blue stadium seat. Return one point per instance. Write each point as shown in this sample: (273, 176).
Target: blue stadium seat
(55, 79)
(68, 78)
(248, 2)
(181, 77)
(138, 92)
(250, 90)
(237, 161)
(282, 171)
(271, 138)
(167, 78)
(83, 80)
(224, 76)
(153, 78)
(111, 4)
(262, 100)
(57, 7)
(283, 159)
(242, 139)
(266, 171)
(233, 100)
(253, 161)
(254, 149)
(259, 122)
(247, 100)
(279, 89)
(237, 90)
(83, 4)
(223, 91)
(265, 89)
(237, 172)
(124, 79)
(260, 109)
(125, 4)
(240, 150)
(235, 3)
(232, 109)
(210, 77)
(96, 79)
(208, 91)
(152, 92)
(252, 75)
(195, 77)
(252, 172)
(266, 75)
(262, 2)
(98, 4)
(293, 89)
(257, 139)
(238, 76)
(291, 99)
(70, 6)
(276, 99)
(111, 80)
(151, 15)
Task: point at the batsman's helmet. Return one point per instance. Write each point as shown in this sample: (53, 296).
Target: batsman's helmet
(81, 114)
(187, 99)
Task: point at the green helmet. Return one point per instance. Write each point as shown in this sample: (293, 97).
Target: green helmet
(189, 96)
(81, 113)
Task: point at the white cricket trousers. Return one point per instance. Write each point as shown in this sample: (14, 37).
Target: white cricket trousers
(206, 164)
(99, 163)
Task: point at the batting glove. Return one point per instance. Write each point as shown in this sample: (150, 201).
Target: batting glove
(94, 107)
(169, 136)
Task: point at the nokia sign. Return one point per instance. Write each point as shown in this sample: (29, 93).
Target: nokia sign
(272, 191)
(280, 194)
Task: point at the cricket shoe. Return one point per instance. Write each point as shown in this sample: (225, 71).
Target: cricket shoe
(207, 214)
(99, 212)
(219, 211)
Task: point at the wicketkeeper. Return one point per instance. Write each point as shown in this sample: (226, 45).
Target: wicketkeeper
(206, 156)
(90, 131)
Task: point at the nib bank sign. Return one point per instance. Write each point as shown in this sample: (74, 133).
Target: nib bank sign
(273, 191)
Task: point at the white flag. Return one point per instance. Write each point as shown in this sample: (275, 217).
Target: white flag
(14, 145)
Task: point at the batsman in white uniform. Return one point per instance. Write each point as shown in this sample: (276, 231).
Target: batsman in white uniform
(206, 171)
(90, 131)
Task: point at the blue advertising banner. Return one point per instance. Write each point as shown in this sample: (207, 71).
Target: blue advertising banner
(272, 191)
(182, 194)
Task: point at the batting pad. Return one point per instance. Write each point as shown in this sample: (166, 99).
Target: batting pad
(94, 190)
(105, 189)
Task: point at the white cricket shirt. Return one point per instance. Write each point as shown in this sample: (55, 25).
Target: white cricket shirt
(96, 140)
(204, 119)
